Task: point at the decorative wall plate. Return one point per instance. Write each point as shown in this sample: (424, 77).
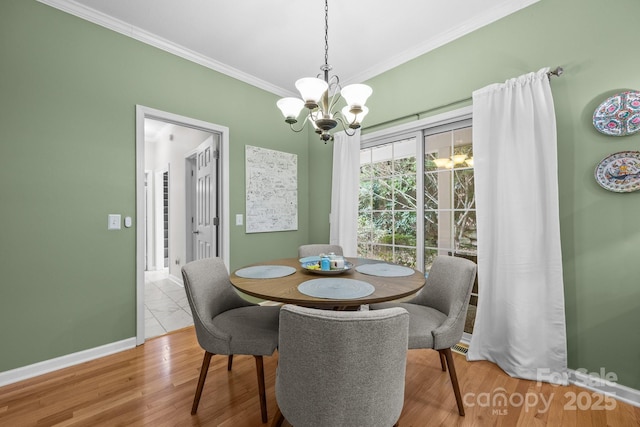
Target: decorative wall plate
(620, 172)
(619, 115)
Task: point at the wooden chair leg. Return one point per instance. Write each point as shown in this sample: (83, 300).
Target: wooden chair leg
(278, 419)
(203, 376)
(261, 392)
(230, 362)
(442, 362)
(454, 379)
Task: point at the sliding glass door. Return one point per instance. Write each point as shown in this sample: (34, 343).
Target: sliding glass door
(411, 210)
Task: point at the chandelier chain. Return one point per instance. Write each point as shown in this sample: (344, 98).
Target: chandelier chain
(326, 33)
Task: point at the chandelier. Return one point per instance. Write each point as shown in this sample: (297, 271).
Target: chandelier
(321, 95)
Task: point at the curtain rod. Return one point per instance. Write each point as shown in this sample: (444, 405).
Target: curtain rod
(556, 72)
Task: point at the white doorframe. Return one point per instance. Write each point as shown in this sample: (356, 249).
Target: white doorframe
(143, 113)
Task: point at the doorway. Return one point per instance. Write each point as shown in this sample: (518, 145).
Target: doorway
(166, 201)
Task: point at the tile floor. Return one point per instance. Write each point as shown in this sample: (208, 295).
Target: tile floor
(166, 306)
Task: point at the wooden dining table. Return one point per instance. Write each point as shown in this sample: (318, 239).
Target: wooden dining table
(285, 289)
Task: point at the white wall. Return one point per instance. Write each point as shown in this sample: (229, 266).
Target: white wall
(166, 151)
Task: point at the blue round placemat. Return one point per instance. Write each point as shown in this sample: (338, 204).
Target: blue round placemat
(336, 288)
(384, 270)
(265, 271)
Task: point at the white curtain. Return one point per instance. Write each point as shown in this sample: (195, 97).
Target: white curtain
(345, 184)
(520, 321)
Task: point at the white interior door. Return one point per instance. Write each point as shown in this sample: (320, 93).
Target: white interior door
(205, 221)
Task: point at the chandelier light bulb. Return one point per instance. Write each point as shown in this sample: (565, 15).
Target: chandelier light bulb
(442, 162)
(311, 90)
(290, 108)
(356, 96)
(354, 120)
(458, 158)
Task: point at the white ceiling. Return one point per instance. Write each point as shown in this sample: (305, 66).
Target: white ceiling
(272, 43)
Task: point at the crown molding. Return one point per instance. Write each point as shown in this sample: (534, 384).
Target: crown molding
(467, 27)
(119, 26)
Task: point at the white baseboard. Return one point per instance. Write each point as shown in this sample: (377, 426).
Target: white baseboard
(466, 338)
(608, 388)
(177, 280)
(46, 366)
(597, 382)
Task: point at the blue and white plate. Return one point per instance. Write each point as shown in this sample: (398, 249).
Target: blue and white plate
(306, 265)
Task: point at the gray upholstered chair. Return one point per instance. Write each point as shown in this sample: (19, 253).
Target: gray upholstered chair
(341, 368)
(317, 249)
(227, 324)
(438, 312)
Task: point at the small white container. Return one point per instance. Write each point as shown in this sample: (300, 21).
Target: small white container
(337, 263)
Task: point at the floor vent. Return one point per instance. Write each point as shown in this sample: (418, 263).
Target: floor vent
(460, 348)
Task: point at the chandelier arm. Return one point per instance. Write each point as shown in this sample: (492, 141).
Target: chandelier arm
(335, 85)
(332, 103)
(346, 123)
(302, 126)
(345, 127)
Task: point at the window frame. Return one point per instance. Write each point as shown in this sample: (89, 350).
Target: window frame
(419, 129)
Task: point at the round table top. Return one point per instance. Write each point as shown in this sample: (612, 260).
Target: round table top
(285, 289)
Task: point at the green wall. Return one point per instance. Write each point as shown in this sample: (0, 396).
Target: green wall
(600, 230)
(68, 91)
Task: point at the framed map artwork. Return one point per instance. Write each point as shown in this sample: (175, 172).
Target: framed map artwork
(271, 190)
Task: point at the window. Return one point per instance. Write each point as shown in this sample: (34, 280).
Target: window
(411, 211)
(387, 203)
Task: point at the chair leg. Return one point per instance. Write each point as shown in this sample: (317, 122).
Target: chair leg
(203, 376)
(261, 392)
(278, 419)
(230, 362)
(454, 379)
(442, 362)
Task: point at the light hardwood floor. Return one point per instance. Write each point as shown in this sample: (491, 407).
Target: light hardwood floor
(154, 384)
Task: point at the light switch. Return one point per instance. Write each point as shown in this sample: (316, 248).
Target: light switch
(127, 221)
(239, 219)
(114, 222)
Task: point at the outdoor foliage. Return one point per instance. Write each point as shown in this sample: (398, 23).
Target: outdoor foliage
(388, 208)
